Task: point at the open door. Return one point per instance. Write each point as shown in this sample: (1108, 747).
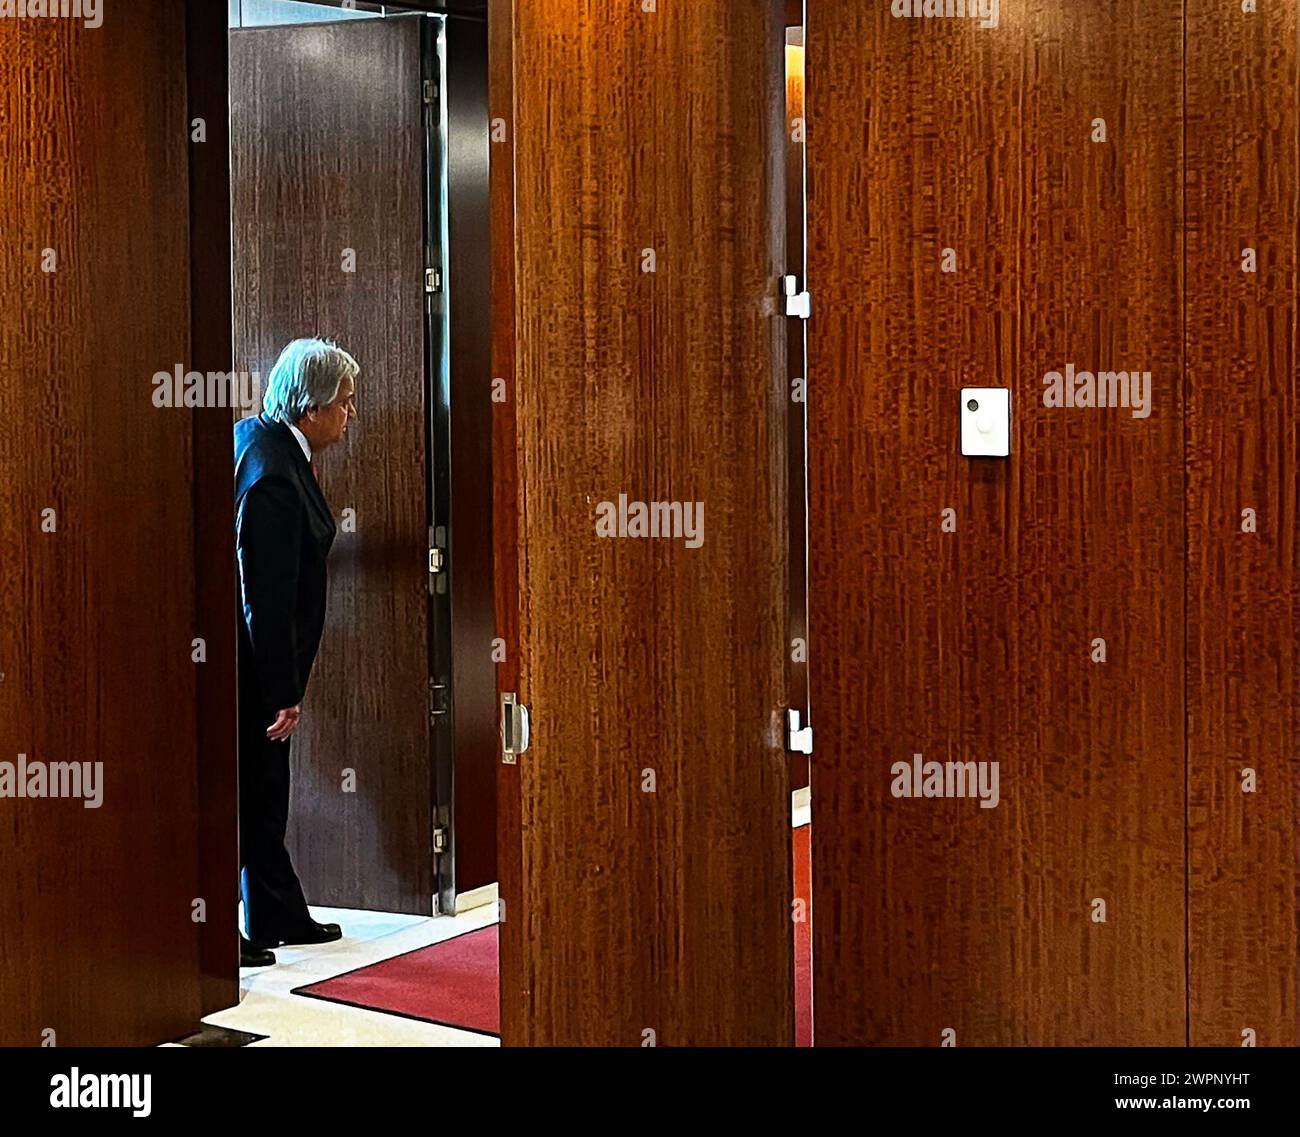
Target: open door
(328, 142)
(645, 832)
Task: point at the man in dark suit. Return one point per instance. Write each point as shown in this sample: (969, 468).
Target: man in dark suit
(283, 533)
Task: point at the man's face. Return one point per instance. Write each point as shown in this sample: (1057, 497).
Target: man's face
(330, 423)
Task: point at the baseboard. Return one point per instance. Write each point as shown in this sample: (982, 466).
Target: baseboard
(476, 898)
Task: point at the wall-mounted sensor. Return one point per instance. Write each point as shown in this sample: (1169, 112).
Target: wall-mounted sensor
(985, 422)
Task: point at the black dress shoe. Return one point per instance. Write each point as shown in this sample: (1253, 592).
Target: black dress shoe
(254, 955)
(315, 933)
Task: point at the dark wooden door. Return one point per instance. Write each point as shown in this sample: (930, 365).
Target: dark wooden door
(97, 567)
(467, 784)
(327, 149)
(1026, 610)
(645, 836)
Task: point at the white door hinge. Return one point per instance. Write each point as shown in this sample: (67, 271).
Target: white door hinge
(798, 739)
(797, 304)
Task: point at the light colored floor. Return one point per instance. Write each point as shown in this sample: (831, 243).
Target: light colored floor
(268, 1007)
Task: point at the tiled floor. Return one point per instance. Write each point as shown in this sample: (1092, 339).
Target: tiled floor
(268, 1007)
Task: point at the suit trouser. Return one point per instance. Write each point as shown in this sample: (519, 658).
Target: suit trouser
(274, 905)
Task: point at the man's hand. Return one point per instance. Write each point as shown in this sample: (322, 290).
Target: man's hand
(286, 722)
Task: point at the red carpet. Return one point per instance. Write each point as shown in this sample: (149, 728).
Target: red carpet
(455, 982)
(803, 937)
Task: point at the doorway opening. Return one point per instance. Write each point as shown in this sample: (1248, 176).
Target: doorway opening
(358, 160)
(360, 143)
(798, 695)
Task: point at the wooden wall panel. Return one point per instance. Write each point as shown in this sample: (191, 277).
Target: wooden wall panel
(216, 579)
(97, 617)
(1243, 620)
(976, 645)
(666, 911)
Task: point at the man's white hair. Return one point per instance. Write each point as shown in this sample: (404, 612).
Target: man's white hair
(308, 374)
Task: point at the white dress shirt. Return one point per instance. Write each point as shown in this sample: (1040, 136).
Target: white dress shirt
(302, 440)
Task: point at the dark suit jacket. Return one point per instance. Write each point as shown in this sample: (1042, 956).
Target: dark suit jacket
(283, 533)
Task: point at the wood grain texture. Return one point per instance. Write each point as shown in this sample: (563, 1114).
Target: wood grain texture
(466, 783)
(666, 911)
(797, 695)
(473, 616)
(216, 579)
(505, 462)
(97, 617)
(326, 156)
(1242, 618)
(514, 948)
(976, 645)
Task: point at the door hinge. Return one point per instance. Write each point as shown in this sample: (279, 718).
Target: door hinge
(516, 730)
(797, 304)
(432, 280)
(437, 559)
(440, 840)
(430, 90)
(798, 740)
(437, 699)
